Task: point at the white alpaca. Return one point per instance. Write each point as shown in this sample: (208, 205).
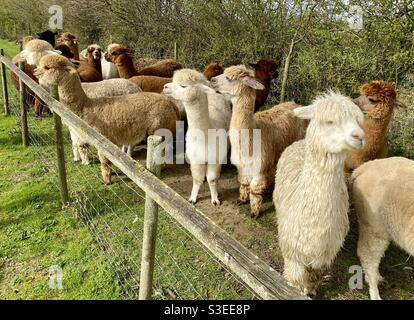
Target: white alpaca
(204, 152)
(310, 195)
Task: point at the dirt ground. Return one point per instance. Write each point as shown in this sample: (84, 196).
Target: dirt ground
(260, 236)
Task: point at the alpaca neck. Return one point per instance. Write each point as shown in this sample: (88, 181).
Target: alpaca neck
(72, 94)
(127, 69)
(243, 110)
(96, 63)
(197, 113)
(325, 166)
(76, 53)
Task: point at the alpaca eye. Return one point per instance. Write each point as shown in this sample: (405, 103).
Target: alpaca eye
(183, 87)
(329, 123)
(372, 100)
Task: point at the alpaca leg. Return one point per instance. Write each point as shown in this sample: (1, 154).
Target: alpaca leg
(244, 191)
(213, 174)
(106, 170)
(84, 154)
(296, 274)
(124, 148)
(75, 145)
(257, 189)
(37, 107)
(198, 171)
(130, 149)
(370, 251)
(312, 282)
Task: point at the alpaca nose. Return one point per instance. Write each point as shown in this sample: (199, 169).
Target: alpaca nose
(213, 80)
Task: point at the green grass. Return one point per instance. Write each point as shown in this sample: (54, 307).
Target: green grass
(36, 234)
(10, 48)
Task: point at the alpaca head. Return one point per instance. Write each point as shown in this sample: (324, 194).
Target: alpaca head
(118, 54)
(54, 70)
(187, 85)
(377, 99)
(70, 40)
(94, 52)
(36, 49)
(24, 41)
(236, 81)
(335, 124)
(213, 70)
(65, 51)
(265, 69)
(48, 36)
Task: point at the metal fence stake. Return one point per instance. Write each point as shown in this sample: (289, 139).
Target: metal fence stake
(22, 88)
(150, 225)
(60, 151)
(4, 86)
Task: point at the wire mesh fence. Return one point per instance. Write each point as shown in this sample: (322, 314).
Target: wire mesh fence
(114, 214)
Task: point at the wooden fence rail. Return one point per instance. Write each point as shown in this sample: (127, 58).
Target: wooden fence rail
(266, 282)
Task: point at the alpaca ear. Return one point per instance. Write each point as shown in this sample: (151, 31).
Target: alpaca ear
(24, 54)
(53, 52)
(252, 83)
(400, 104)
(253, 65)
(305, 113)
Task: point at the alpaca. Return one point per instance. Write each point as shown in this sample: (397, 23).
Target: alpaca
(91, 70)
(213, 70)
(377, 101)
(264, 71)
(382, 191)
(125, 120)
(48, 36)
(105, 88)
(277, 126)
(24, 41)
(109, 69)
(71, 41)
(163, 68)
(32, 52)
(310, 194)
(122, 57)
(203, 113)
(65, 51)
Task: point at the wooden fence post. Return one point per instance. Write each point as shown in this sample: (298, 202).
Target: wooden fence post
(150, 225)
(22, 87)
(60, 151)
(4, 86)
(175, 51)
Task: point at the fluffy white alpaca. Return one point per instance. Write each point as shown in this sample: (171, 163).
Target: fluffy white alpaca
(204, 152)
(310, 195)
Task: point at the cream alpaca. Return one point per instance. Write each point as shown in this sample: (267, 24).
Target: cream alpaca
(310, 195)
(125, 120)
(203, 113)
(383, 195)
(278, 128)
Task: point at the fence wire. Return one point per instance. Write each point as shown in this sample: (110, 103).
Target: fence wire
(184, 268)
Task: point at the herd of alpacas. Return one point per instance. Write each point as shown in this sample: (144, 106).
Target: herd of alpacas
(314, 158)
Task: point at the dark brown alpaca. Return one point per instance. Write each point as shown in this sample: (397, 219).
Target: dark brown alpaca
(66, 52)
(264, 71)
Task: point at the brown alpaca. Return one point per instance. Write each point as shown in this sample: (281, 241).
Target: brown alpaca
(125, 120)
(377, 102)
(71, 41)
(122, 57)
(213, 70)
(65, 51)
(278, 129)
(264, 71)
(91, 69)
